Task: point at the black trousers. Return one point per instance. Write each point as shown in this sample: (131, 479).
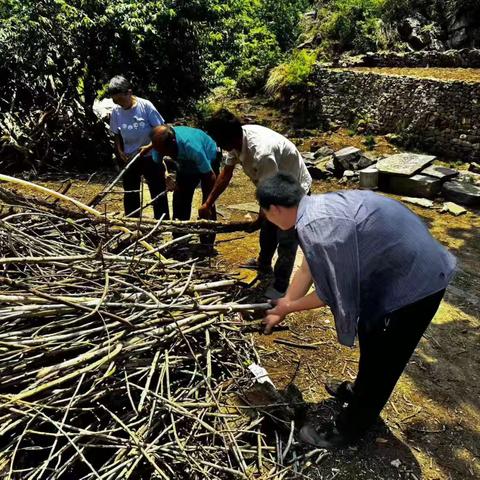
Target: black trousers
(273, 238)
(183, 195)
(154, 175)
(183, 198)
(385, 350)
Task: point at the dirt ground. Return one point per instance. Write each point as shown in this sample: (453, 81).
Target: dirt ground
(430, 428)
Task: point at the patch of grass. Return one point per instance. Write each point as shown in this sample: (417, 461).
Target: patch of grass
(294, 72)
(370, 142)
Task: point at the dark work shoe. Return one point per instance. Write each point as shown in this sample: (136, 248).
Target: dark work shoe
(326, 437)
(253, 264)
(342, 391)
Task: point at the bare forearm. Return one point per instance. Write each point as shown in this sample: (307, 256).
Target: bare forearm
(118, 147)
(208, 183)
(284, 306)
(308, 302)
(301, 283)
(219, 187)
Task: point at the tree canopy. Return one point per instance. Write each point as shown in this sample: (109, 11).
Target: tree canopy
(57, 56)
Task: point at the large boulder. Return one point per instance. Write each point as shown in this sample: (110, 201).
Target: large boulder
(462, 26)
(420, 33)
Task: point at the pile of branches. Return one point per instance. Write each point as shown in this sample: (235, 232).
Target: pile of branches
(117, 362)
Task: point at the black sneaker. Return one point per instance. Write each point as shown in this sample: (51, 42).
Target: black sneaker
(342, 391)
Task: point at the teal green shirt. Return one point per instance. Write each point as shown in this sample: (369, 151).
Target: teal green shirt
(196, 150)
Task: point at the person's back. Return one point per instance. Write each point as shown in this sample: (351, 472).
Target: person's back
(381, 249)
(197, 151)
(261, 144)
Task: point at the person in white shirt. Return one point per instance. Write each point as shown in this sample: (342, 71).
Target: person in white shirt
(262, 153)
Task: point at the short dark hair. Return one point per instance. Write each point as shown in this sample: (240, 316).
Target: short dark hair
(223, 126)
(164, 132)
(118, 84)
(281, 189)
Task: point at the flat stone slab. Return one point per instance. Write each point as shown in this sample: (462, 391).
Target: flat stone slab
(405, 164)
(453, 209)
(421, 202)
(462, 192)
(419, 186)
(437, 171)
(252, 207)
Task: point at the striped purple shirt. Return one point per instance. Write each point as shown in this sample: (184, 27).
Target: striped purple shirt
(369, 255)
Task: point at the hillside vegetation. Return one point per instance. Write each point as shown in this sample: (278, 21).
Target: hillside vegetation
(336, 26)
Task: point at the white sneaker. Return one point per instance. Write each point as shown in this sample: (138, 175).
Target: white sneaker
(273, 294)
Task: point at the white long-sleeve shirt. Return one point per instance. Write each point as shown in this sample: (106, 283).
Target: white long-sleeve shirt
(265, 152)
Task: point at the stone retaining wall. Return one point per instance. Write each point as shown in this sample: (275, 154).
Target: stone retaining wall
(466, 58)
(438, 117)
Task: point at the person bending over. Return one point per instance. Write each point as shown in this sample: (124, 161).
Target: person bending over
(375, 264)
(261, 152)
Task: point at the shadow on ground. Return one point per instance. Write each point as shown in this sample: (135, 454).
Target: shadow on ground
(381, 454)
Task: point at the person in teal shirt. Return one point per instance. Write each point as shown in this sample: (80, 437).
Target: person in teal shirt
(196, 157)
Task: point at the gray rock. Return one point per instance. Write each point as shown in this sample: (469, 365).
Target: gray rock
(308, 157)
(323, 152)
(459, 37)
(405, 164)
(462, 192)
(319, 168)
(330, 166)
(421, 186)
(365, 160)
(453, 208)
(474, 167)
(437, 171)
(349, 173)
(323, 160)
(346, 155)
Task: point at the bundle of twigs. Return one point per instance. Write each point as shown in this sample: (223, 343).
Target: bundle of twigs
(118, 363)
